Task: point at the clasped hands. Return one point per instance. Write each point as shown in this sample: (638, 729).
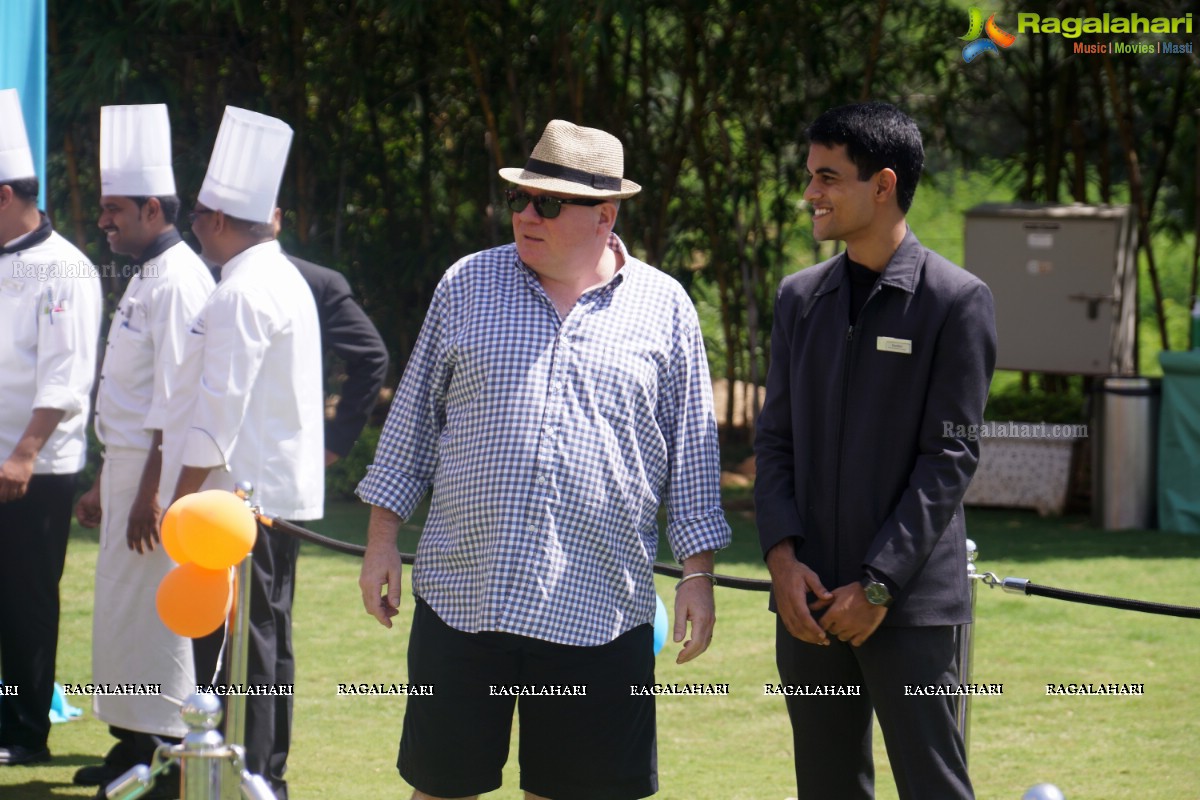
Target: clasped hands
(844, 613)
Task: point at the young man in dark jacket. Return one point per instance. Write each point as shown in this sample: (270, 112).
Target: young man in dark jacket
(878, 356)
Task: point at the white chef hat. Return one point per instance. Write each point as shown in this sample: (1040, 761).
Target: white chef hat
(16, 159)
(135, 151)
(247, 164)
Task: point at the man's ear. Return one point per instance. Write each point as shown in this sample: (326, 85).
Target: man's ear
(608, 215)
(152, 209)
(885, 184)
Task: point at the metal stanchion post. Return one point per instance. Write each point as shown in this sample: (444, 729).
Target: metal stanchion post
(212, 767)
(204, 761)
(200, 773)
(237, 634)
(965, 636)
(238, 637)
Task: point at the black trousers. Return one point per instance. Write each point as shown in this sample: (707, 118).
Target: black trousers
(133, 748)
(270, 660)
(33, 549)
(832, 734)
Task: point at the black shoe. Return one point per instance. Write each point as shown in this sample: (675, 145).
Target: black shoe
(15, 755)
(96, 775)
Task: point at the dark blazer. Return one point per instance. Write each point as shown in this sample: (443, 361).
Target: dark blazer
(348, 332)
(854, 456)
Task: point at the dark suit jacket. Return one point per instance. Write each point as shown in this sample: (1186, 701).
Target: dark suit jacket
(349, 333)
(854, 456)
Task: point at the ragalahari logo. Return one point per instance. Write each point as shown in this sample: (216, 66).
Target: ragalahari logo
(996, 38)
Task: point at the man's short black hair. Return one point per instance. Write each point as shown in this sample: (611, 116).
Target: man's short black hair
(877, 136)
(169, 204)
(26, 189)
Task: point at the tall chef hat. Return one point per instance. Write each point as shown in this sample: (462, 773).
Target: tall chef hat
(16, 159)
(135, 151)
(247, 165)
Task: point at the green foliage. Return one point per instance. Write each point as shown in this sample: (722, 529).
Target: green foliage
(343, 475)
(403, 115)
(1008, 402)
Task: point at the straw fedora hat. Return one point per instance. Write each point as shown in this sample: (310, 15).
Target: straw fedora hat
(568, 159)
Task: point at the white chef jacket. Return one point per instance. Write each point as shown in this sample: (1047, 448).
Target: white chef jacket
(140, 374)
(50, 306)
(251, 394)
(145, 346)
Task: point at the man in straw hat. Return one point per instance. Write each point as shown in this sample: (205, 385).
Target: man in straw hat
(252, 409)
(859, 490)
(130, 644)
(49, 327)
(557, 396)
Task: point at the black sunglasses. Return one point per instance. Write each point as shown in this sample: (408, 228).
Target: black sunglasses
(546, 206)
(197, 212)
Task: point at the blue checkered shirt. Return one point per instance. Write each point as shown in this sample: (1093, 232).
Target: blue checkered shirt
(549, 445)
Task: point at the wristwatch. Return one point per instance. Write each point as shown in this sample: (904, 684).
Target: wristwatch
(877, 593)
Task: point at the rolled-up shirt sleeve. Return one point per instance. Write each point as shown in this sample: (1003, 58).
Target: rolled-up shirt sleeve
(237, 338)
(695, 520)
(406, 456)
(66, 351)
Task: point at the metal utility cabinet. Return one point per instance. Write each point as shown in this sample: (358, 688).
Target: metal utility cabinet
(1065, 283)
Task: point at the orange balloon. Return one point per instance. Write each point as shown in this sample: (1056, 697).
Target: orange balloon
(193, 601)
(216, 529)
(169, 530)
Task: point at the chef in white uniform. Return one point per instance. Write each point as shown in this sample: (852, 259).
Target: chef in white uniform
(251, 404)
(49, 327)
(130, 644)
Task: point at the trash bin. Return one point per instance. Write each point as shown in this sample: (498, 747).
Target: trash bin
(1179, 443)
(1124, 454)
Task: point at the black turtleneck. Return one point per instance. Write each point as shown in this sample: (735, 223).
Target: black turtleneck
(862, 281)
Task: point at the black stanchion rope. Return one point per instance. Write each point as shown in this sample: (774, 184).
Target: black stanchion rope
(756, 585)
(729, 581)
(1112, 602)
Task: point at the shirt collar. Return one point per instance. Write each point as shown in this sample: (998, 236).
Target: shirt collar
(904, 267)
(233, 264)
(161, 244)
(32, 239)
(614, 243)
(902, 270)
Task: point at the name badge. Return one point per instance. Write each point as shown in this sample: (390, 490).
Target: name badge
(887, 344)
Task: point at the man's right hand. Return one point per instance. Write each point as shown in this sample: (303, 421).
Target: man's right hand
(88, 510)
(379, 581)
(792, 581)
(382, 569)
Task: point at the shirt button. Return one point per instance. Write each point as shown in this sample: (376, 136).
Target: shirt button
(541, 480)
(533, 528)
(549, 430)
(556, 386)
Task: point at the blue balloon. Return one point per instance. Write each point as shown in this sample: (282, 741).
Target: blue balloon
(660, 625)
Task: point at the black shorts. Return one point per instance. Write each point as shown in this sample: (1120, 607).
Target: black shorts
(573, 746)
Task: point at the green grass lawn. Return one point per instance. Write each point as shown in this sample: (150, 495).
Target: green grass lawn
(740, 746)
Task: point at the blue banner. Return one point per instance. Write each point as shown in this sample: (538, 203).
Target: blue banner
(23, 67)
